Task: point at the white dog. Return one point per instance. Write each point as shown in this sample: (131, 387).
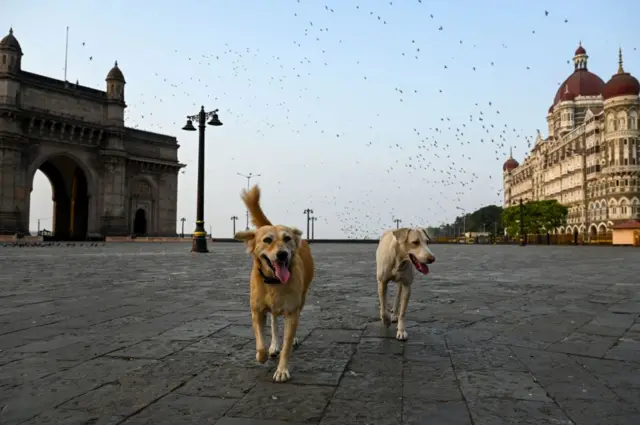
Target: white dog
(397, 251)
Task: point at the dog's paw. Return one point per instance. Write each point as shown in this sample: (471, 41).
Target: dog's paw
(262, 355)
(394, 317)
(386, 320)
(281, 375)
(296, 341)
(401, 335)
(274, 350)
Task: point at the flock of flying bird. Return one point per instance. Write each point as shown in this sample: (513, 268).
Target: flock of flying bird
(439, 155)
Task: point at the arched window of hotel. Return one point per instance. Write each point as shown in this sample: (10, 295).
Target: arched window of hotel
(621, 123)
(633, 120)
(612, 123)
(623, 206)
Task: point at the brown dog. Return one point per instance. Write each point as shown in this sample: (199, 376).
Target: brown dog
(281, 274)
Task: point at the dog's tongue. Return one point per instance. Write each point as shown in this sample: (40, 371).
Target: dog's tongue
(282, 272)
(423, 268)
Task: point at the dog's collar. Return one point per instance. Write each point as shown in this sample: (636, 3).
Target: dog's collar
(268, 280)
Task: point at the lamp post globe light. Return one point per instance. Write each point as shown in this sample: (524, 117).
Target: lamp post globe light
(199, 243)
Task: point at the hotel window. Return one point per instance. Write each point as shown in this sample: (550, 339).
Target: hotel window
(626, 161)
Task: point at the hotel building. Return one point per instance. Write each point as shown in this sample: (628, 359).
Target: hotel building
(589, 160)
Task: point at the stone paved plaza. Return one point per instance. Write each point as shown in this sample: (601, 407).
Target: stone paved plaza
(152, 334)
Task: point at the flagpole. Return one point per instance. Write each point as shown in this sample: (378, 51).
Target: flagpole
(66, 54)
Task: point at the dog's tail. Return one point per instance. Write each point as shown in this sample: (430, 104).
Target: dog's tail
(251, 199)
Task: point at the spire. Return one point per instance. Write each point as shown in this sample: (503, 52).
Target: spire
(115, 64)
(510, 152)
(620, 68)
(10, 30)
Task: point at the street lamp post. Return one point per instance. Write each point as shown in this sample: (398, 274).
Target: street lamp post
(397, 221)
(313, 227)
(523, 238)
(182, 220)
(308, 212)
(199, 243)
(234, 218)
(248, 177)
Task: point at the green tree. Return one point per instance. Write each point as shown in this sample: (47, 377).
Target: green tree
(554, 215)
(485, 219)
(539, 217)
(511, 220)
(488, 218)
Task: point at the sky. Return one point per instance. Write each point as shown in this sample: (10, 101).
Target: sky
(363, 111)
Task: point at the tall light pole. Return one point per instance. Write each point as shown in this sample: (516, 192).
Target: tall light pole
(234, 218)
(523, 237)
(313, 227)
(397, 221)
(308, 212)
(182, 220)
(248, 177)
(199, 243)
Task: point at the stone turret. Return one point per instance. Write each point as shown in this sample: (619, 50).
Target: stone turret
(10, 54)
(10, 68)
(115, 96)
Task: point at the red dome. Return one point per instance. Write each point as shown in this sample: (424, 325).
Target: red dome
(621, 84)
(580, 83)
(580, 50)
(510, 164)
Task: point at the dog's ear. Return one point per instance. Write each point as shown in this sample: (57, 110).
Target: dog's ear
(297, 235)
(401, 235)
(248, 237)
(426, 234)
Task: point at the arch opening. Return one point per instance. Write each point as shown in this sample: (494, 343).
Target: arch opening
(140, 222)
(68, 216)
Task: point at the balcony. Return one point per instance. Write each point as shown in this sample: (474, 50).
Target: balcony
(610, 169)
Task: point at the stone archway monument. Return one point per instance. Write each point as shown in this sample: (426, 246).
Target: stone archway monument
(101, 171)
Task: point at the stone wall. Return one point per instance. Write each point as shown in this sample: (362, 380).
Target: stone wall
(61, 104)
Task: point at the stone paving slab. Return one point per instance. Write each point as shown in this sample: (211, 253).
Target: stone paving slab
(138, 334)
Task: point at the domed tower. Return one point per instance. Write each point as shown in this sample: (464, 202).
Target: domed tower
(622, 134)
(509, 165)
(10, 67)
(580, 58)
(564, 115)
(10, 54)
(115, 95)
